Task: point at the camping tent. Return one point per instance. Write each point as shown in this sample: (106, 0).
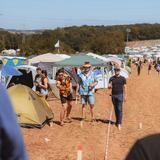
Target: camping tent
(13, 61)
(48, 57)
(106, 59)
(10, 71)
(30, 108)
(78, 60)
(7, 71)
(46, 61)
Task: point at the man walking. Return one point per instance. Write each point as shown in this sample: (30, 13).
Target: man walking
(139, 67)
(118, 85)
(87, 89)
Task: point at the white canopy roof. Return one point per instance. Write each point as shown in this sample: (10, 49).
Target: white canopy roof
(48, 57)
(106, 59)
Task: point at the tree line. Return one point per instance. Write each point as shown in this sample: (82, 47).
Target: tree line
(97, 39)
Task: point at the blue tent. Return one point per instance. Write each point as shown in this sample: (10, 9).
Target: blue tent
(10, 71)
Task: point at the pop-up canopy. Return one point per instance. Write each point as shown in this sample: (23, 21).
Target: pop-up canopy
(78, 60)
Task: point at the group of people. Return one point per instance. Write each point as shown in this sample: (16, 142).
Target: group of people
(85, 88)
(139, 65)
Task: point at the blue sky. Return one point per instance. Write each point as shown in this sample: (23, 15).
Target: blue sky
(42, 14)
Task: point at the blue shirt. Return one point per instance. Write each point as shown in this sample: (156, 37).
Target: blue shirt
(11, 142)
(85, 80)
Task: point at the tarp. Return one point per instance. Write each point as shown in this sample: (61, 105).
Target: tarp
(31, 109)
(106, 59)
(10, 71)
(78, 60)
(48, 57)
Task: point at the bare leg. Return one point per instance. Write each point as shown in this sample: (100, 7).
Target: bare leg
(63, 113)
(83, 111)
(92, 111)
(69, 108)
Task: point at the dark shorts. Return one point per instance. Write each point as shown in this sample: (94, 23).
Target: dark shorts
(66, 99)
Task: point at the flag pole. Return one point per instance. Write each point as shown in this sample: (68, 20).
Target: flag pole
(57, 46)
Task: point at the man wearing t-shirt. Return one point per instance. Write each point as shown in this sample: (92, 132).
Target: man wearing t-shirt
(118, 85)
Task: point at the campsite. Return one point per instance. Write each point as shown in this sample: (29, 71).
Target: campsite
(61, 143)
(79, 80)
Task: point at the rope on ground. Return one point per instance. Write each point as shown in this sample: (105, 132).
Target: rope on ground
(108, 134)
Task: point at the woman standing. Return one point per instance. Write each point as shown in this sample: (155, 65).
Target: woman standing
(44, 84)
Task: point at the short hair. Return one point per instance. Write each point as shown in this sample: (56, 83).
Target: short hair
(38, 69)
(61, 70)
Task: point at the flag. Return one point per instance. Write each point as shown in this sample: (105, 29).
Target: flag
(57, 44)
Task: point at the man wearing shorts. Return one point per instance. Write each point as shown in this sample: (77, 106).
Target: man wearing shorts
(65, 90)
(87, 89)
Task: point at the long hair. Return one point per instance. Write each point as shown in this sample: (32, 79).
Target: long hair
(44, 72)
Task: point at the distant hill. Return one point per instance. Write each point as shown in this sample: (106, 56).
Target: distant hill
(25, 31)
(97, 39)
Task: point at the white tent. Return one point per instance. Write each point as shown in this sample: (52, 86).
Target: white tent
(9, 52)
(103, 78)
(48, 57)
(106, 59)
(46, 61)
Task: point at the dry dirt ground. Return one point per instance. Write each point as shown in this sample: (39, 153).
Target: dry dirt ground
(60, 143)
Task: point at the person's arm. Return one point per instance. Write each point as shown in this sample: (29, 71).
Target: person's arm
(59, 86)
(125, 90)
(110, 86)
(45, 86)
(92, 85)
(77, 89)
